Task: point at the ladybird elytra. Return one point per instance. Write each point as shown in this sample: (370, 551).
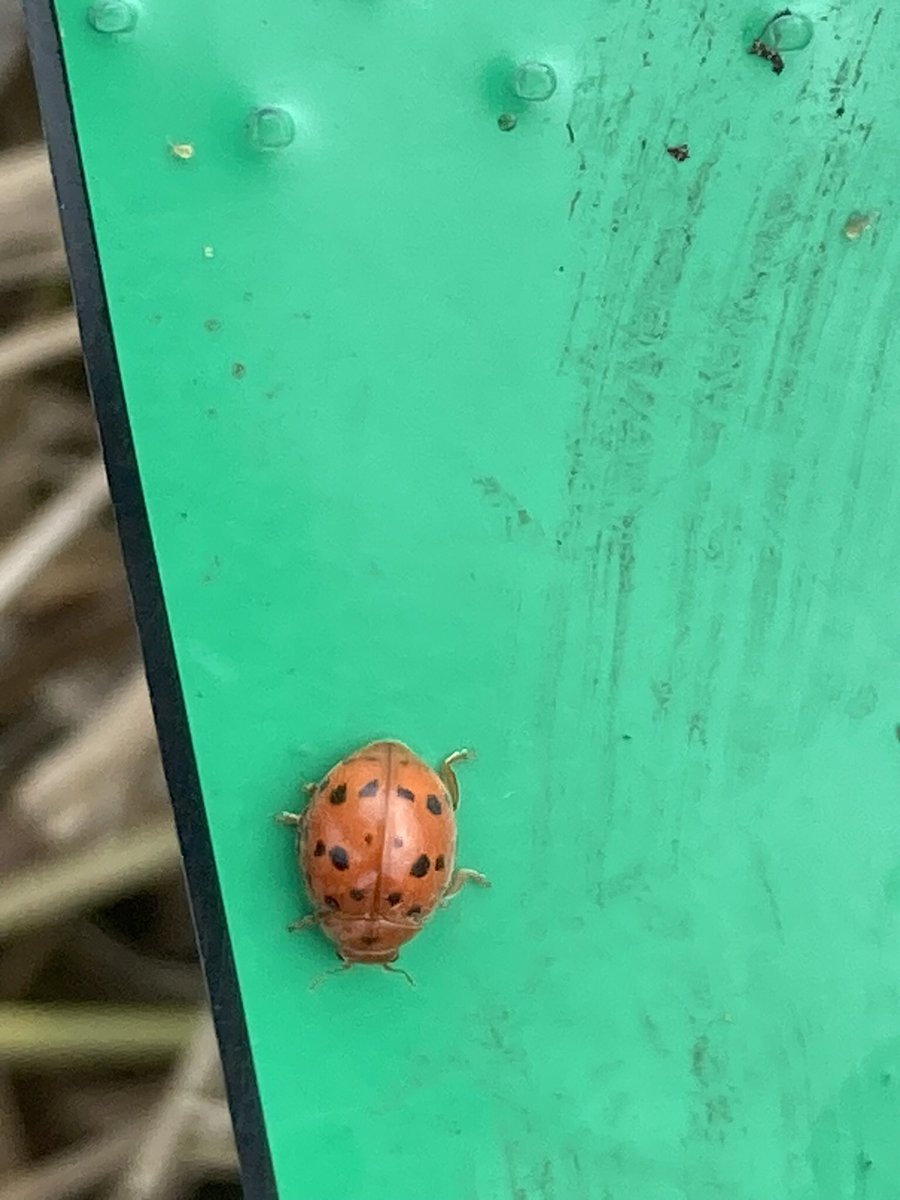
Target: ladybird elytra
(376, 848)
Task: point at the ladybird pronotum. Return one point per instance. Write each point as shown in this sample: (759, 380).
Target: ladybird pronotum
(376, 849)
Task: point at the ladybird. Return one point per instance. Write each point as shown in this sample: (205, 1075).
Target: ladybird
(376, 847)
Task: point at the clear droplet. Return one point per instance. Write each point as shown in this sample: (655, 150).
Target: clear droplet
(271, 128)
(788, 31)
(858, 222)
(534, 81)
(113, 16)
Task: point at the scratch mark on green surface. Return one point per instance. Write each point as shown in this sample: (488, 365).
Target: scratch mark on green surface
(517, 515)
(759, 864)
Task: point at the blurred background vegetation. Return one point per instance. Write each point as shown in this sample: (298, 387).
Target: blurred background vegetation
(109, 1074)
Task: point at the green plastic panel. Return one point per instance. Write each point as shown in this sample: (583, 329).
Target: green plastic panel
(470, 419)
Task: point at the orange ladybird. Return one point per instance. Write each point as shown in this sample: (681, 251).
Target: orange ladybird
(377, 848)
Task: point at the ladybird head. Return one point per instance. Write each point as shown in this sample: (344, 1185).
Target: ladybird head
(364, 955)
(386, 961)
(361, 940)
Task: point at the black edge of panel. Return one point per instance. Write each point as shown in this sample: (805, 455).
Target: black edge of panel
(182, 776)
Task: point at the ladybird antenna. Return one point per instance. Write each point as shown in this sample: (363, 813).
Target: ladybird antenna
(399, 971)
(320, 979)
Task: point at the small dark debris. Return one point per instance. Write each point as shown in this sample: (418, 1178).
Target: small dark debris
(768, 53)
(680, 153)
(213, 325)
(238, 370)
(839, 112)
(571, 132)
(506, 122)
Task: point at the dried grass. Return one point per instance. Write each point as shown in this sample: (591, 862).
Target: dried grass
(109, 1076)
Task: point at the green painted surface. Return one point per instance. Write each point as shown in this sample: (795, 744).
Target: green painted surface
(554, 446)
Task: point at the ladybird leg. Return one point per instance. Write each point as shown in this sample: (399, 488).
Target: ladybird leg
(320, 979)
(286, 818)
(448, 775)
(309, 788)
(399, 971)
(460, 877)
(307, 922)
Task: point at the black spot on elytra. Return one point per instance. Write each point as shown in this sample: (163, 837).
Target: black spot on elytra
(339, 857)
(357, 894)
(320, 848)
(394, 899)
(368, 839)
(398, 842)
(439, 863)
(405, 794)
(369, 939)
(338, 794)
(434, 805)
(415, 911)
(332, 902)
(369, 789)
(420, 867)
